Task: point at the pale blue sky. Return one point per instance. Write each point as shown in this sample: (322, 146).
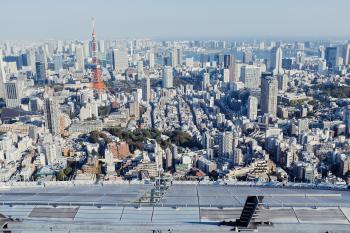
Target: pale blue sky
(188, 19)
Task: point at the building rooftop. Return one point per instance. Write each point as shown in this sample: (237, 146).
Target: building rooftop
(183, 208)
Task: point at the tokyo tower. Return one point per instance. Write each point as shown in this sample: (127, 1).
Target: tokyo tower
(97, 82)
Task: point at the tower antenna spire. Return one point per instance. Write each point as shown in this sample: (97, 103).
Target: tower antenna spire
(93, 26)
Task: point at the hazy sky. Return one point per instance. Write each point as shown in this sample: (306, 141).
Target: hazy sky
(180, 19)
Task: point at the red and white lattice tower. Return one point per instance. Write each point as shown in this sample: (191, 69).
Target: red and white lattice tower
(97, 82)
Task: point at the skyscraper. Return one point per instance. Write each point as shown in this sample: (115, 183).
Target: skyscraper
(276, 61)
(120, 59)
(146, 89)
(347, 120)
(150, 58)
(31, 59)
(331, 57)
(269, 91)
(346, 54)
(40, 73)
(134, 109)
(79, 58)
(176, 57)
(168, 77)
(230, 64)
(140, 72)
(252, 108)
(247, 56)
(2, 77)
(226, 76)
(250, 76)
(206, 81)
(226, 144)
(282, 82)
(13, 93)
(58, 62)
(52, 116)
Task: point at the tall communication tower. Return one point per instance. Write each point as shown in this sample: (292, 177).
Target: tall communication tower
(97, 82)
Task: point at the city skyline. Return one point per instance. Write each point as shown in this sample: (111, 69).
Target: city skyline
(175, 116)
(271, 19)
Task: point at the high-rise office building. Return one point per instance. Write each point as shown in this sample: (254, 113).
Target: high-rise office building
(58, 62)
(252, 108)
(287, 63)
(79, 58)
(2, 77)
(120, 59)
(52, 116)
(247, 56)
(250, 75)
(206, 81)
(269, 91)
(347, 120)
(150, 58)
(226, 144)
(42, 56)
(168, 77)
(226, 75)
(276, 61)
(31, 59)
(331, 57)
(321, 52)
(176, 57)
(134, 109)
(282, 82)
(140, 72)
(346, 54)
(13, 93)
(146, 89)
(230, 64)
(40, 73)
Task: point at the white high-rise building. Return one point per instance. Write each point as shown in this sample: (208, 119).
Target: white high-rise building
(321, 66)
(120, 59)
(250, 76)
(206, 81)
(226, 144)
(31, 59)
(252, 108)
(151, 59)
(168, 77)
(226, 76)
(2, 77)
(134, 109)
(276, 61)
(79, 58)
(269, 91)
(101, 46)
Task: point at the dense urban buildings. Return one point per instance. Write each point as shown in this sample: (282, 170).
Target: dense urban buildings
(117, 123)
(231, 107)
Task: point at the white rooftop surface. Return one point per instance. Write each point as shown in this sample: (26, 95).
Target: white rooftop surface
(183, 208)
